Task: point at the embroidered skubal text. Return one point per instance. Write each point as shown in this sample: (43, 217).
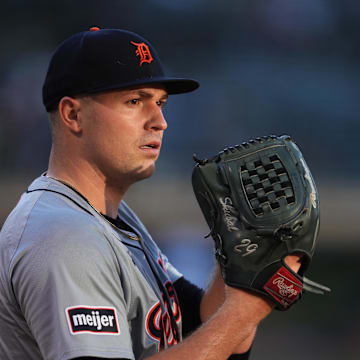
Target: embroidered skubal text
(228, 210)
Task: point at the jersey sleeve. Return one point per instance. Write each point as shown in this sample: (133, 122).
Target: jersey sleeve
(69, 287)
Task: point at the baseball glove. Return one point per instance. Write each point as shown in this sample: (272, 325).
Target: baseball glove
(261, 204)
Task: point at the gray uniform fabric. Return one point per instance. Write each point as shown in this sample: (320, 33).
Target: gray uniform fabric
(72, 285)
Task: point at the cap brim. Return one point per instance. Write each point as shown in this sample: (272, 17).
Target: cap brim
(172, 85)
(180, 86)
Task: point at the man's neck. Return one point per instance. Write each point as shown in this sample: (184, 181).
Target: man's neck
(104, 197)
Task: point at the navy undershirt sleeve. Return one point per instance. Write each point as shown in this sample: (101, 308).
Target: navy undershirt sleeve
(189, 296)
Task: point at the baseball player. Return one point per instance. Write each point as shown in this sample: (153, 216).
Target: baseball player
(80, 276)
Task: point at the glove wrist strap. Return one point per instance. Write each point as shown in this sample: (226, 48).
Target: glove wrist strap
(284, 287)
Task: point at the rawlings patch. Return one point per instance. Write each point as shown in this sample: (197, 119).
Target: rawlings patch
(284, 287)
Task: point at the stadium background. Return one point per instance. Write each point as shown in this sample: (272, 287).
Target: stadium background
(265, 66)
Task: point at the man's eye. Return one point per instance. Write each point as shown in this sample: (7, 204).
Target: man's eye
(161, 103)
(134, 101)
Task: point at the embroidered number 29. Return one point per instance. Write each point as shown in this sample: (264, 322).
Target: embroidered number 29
(246, 247)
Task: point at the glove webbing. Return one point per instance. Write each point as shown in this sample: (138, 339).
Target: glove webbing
(267, 184)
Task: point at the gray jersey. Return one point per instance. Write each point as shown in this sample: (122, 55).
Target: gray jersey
(73, 285)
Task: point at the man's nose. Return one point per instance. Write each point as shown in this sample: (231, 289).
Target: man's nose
(158, 121)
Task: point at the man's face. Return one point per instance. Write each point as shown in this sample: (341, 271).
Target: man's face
(123, 131)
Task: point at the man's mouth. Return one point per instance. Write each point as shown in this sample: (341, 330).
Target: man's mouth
(152, 145)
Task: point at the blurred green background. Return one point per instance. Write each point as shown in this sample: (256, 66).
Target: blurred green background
(265, 66)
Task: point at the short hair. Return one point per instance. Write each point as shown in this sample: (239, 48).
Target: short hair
(53, 117)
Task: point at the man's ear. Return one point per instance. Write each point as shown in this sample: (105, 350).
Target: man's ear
(69, 110)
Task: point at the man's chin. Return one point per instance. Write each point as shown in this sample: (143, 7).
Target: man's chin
(145, 173)
(132, 176)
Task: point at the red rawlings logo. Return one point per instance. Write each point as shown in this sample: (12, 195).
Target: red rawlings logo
(284, 287)
(285, 290)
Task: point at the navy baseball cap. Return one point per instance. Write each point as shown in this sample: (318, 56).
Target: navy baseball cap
(100, 60)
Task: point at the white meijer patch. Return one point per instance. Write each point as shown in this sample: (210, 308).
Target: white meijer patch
(309, 179)
(91, 319)
(285, 290)
(94, 320)
(228, 209)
